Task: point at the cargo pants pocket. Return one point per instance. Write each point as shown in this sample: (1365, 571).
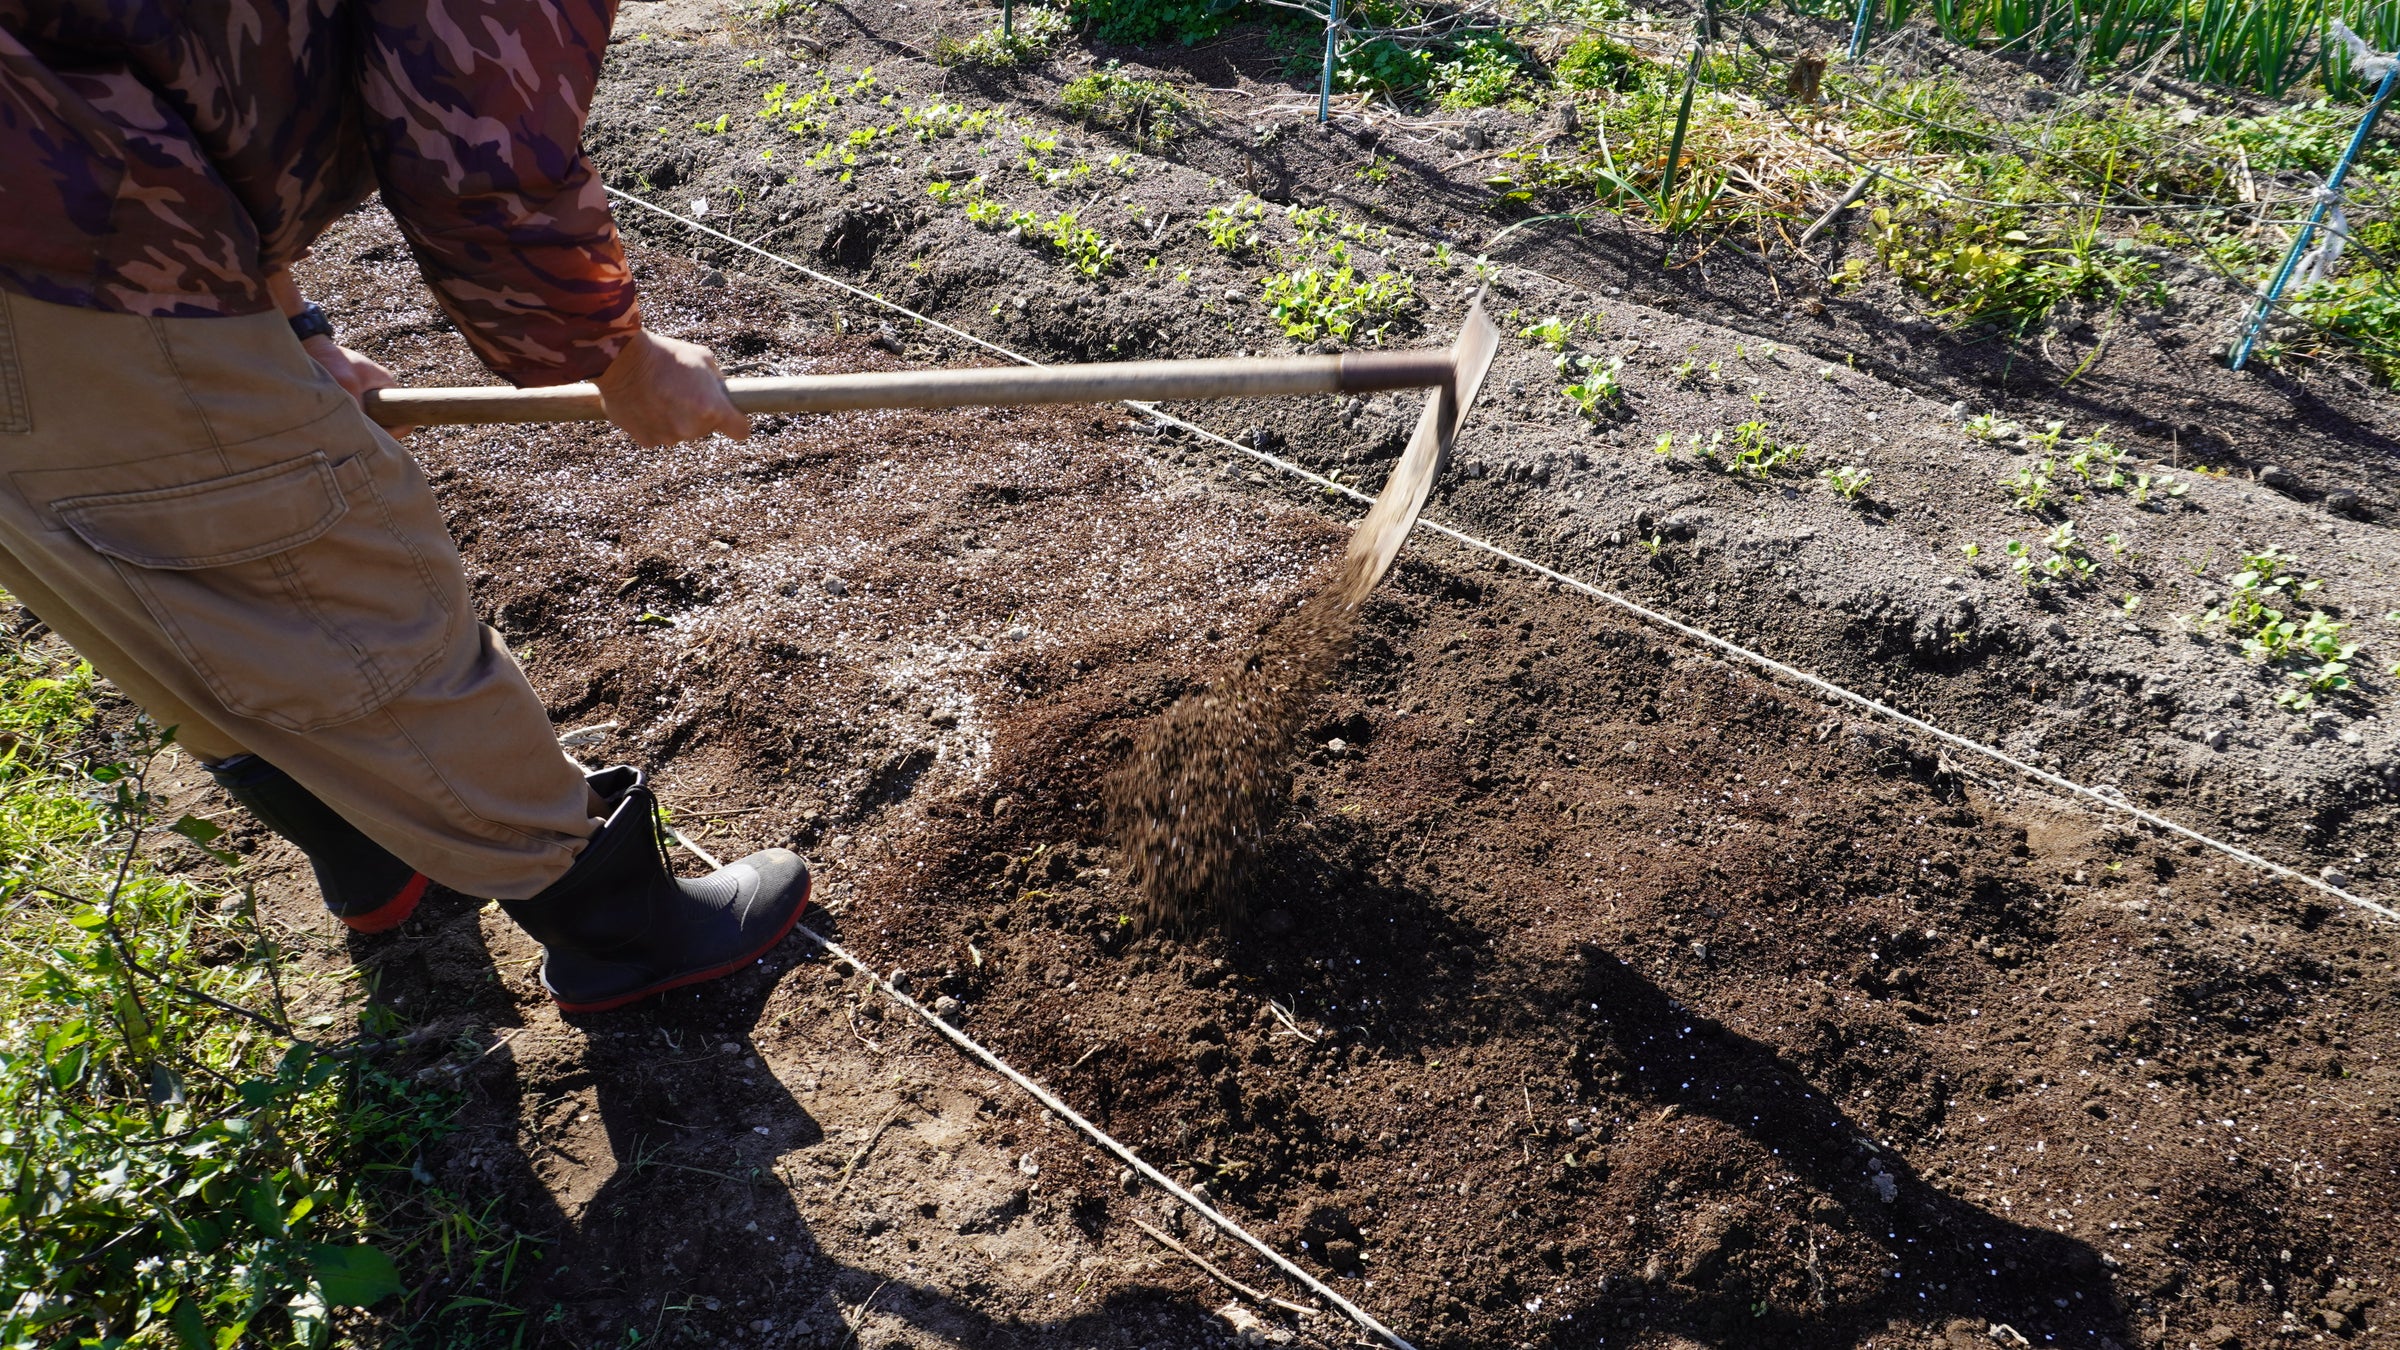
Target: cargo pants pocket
(290, 589)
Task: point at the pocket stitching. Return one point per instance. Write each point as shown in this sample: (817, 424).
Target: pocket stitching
(132, 574)
(74, 511)
(16, 412)
(291, 577)
(165, 619)
(405, 680)
(295, 584)
(391, 523)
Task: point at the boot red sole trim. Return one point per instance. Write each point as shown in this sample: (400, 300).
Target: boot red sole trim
(393, 912)
(808, 890)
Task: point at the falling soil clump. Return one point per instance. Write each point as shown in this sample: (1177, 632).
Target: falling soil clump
(1207, 780)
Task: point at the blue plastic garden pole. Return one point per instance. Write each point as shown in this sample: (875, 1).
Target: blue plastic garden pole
(1333, 29)
(2316, 216)
(1858, 28)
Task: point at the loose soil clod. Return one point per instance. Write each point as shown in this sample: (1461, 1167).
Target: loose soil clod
(1207, 781)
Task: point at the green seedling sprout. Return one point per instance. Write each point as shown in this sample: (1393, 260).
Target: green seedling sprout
(1851, 482)
(1598, 390)
(2030, 575)
(1552, 332)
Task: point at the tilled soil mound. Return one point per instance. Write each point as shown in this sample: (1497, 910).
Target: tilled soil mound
(1593, 992)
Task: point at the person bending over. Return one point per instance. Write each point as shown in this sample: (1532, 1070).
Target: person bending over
(191, 496)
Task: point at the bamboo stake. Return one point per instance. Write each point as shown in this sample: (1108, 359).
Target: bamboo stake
(1857, 189)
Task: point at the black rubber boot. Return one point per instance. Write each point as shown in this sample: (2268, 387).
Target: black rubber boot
(621, 926)
(363, 884)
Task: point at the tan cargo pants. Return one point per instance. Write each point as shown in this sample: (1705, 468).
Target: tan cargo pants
(205, 516)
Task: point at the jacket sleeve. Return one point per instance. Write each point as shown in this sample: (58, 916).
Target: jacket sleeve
(474, 114)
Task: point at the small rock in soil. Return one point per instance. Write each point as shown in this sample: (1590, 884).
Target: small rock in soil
(2279, 478)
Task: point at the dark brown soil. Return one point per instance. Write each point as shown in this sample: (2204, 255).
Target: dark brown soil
(1595, 993)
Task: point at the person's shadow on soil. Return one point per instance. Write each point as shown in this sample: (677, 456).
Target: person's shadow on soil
(1421, 970)
(647, 1169)
(643, 1165)
(1956, 1259)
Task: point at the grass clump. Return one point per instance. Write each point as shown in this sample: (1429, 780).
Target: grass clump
(2009, 223)
(1978, 269)
(1484, 71)
(1036, 33)
(1144, 109)
(1596, 62)
(2359, 313)
(778, 13)
(1382, 66)
(1143, 21)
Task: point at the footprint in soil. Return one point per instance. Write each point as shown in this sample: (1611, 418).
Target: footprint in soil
(640, 1151)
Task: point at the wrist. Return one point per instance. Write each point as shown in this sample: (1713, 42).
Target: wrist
(310, 322)
(627, 363)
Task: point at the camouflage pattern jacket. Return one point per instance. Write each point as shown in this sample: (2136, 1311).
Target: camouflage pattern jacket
(160, 157)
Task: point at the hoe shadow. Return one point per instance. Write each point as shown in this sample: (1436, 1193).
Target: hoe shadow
(1954, 1259)
(1387, 956)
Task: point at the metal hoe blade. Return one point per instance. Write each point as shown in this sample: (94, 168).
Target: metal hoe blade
(1379, 536)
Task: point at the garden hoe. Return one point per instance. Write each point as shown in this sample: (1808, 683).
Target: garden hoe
(1453, 375)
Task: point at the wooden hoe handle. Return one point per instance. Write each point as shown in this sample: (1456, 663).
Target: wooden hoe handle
(985, 386)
